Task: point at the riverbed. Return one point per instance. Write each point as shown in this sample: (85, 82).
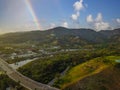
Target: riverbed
(21, 63)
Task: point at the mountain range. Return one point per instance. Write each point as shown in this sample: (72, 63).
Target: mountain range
(63, 36)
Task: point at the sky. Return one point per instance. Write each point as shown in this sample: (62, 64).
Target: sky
(27, 15)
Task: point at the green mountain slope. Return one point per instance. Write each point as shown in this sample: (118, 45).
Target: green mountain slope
(60, 36)
(97, 74)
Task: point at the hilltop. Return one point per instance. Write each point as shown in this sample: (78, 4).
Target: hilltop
(62, 36)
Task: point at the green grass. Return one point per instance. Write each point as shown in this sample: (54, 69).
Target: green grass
(1, 72)
(86, 69)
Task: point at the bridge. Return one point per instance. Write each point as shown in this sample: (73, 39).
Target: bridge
(23, 80)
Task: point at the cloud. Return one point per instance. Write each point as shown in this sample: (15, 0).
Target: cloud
(30, 25)
(89, 18)
(65, 24)
(26, 26)
(78, 6)
(99, 17)
(118, 20)
(101, 25)
(52, 25)
(98, 22)
(75, 16)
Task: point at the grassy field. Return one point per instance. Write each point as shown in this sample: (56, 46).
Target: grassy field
(85, 70)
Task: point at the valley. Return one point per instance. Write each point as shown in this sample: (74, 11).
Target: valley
(62, 58)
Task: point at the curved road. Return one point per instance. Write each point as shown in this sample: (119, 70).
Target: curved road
(24, 81)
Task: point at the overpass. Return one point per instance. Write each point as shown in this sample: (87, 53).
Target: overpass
(23, 80)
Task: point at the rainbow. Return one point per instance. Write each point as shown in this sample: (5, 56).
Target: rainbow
(35, 19)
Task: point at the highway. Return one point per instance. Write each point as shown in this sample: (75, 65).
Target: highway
(23, 80)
